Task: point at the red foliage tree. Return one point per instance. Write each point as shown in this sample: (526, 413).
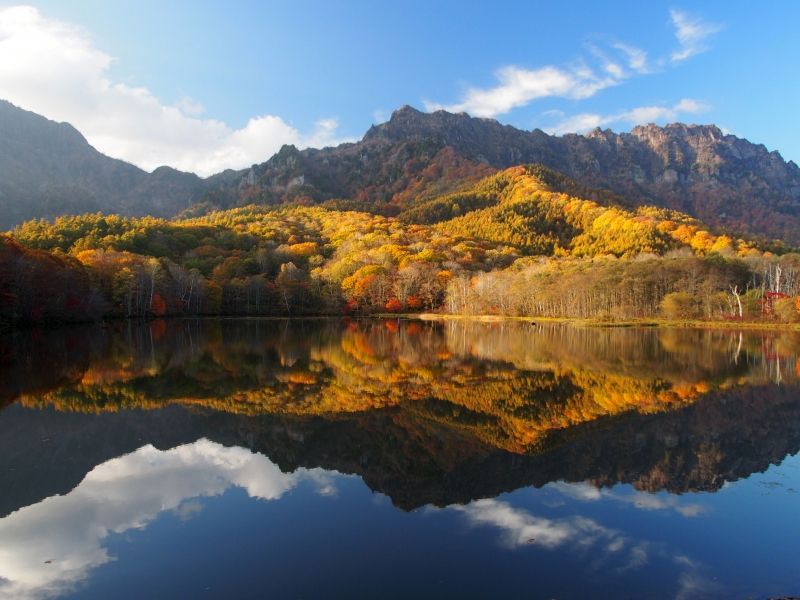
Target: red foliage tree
(394, 305)
(158, 307)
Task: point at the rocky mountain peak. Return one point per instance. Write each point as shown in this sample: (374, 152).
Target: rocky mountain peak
(652, 131)
(408, 123)
(16, 122)
(404, 112)
(600, 134)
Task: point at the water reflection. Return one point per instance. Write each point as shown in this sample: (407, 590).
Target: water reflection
(49, 546)
(424, 412)
(641, 500)
(105, 429)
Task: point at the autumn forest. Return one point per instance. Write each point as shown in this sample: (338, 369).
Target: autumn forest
(513, 243)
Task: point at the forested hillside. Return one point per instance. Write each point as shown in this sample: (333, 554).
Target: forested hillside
(512, 243)
(520, 206)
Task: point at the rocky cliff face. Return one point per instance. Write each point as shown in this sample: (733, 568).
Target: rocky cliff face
(723, 180)
(48, 169)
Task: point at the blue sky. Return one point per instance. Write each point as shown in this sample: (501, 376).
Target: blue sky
(207, 85)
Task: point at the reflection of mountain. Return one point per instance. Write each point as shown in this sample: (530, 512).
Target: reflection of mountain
(416, 461)
(423, 412)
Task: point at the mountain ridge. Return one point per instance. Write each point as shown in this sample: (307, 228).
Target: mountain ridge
(696, 169)
(728, 182)
(48, 168)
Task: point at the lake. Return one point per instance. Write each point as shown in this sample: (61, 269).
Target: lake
(398, 458)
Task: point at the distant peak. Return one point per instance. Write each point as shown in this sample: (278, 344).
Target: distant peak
(13, 115)
(598, 133)
(405, 111)
(288, 150)
(408, 122)
(404, 121)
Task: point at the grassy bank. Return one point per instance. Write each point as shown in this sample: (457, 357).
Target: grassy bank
(764, 325)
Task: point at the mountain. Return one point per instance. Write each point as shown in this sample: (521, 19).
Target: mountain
(721, 179)
(49, 169)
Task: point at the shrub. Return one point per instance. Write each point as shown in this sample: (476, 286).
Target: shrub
(786, 310)
(680, 305)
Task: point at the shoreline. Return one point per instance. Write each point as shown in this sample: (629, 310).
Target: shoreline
(7, 327)
(578, 322)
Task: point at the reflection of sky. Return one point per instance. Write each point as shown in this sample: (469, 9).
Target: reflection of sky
(618, 535)
(610, 549)
(49, 546)
(738, 542)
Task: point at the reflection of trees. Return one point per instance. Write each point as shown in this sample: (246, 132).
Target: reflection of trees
(686, 355)
(35, 362)
(508, 385)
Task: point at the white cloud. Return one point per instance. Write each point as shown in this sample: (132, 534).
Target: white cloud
(636, 57)
(692, 33)
(578, 491)
(694, 585)
(54, 69)
(517, 87)
(49, 547)
(609, 64)
(615, 63)
(635, 116)
(520, 528)
(553, 112)
(577, 124)
(189, 106)
(614, 70)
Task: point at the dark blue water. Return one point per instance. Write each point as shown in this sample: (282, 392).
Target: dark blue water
(330, 459)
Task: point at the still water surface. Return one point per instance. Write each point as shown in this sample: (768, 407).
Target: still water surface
(388, 459)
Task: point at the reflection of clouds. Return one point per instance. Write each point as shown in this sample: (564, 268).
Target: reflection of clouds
(324, 482)
(49, 546)
(188, 510)
(692, 585)
(610, 548)
(520, 528)
(579, 491)
(643, 500)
